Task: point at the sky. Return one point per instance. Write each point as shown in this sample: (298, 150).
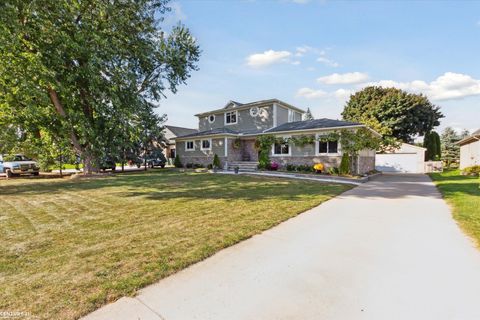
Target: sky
(316, 53)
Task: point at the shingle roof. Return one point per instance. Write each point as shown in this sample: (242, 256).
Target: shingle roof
(210, 132)
(312, 124)
(180, 131)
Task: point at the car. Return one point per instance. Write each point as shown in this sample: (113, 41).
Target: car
(18, 164)
(107, 163)
(135, 161)
(158, 161)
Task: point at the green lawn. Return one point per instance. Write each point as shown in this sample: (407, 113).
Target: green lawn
(69, 246)
(463, 195)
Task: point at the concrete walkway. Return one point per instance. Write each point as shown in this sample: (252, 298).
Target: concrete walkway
(387, 249)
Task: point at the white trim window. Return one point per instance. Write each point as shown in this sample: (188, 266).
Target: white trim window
(327, 147)
(254, 111)
(206, 144)
(189, 145)
(281, 149)
(291, 115)
(211, 118)
(231, 117)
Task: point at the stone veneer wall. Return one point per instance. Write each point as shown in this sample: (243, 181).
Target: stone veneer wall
(310, 161)
(366, 164)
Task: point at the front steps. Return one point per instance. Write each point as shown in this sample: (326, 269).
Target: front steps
(243, 165)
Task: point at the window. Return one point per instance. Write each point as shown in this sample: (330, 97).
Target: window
(231, 117)
(211, 118)
(189, 146)
(206, 144)
(254, 111)
(281, 149)
(327, 147)
(291, 115)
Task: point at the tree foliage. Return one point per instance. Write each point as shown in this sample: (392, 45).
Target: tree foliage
(431, 141)
(393, 113)
(450, 148)
(308, 115)
(86, 71)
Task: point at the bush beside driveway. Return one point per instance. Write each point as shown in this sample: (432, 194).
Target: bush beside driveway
(69, 246)
(463, 195)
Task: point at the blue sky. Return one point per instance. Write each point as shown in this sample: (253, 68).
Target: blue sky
(315, 53)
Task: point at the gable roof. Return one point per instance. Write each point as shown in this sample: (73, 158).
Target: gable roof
(211, 132)
(240, 106)
(313, 124)
(181, 131)
(475, 136)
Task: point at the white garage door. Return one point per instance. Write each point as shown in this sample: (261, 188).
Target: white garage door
(396, 162)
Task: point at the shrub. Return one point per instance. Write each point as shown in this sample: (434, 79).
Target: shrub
(472, 171)
(198, 165)
(177, 163)
(189, 165)
(263, 160)
(333, 170)
(318, 167)
(210, 166)
(345, 164)
(291, 167)
(216, 161)
(274, 166)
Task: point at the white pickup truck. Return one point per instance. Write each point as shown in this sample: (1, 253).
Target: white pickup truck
(18, 164)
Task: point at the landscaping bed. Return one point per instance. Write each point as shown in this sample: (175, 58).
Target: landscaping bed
(69, 246)
(462, 192)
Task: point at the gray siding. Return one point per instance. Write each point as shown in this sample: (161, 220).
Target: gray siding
(217, 148)
(245, 122)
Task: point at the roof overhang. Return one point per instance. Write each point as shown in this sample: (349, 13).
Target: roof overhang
(323, 129)
(468, 140)
(215, 135)
(250, 105)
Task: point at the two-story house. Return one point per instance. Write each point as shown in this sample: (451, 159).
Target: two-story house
(230, 132)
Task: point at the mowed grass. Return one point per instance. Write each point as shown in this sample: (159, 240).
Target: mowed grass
(463, 195)
(69, 246)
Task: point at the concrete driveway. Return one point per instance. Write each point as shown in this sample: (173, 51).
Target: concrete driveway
(387, 249)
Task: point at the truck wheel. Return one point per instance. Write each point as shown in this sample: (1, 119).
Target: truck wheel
(36, 173)
(162, 166)
(138, 166)
(113, 169)
(9, 173)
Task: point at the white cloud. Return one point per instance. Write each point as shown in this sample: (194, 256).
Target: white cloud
(448, 86)
(343, 94)
(300, 51)
(266, 58)
(328, 62)
(296, 63)
(300, 1)
(310, 93)
(344, 78)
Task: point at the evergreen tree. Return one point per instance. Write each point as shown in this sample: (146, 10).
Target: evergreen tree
(308, 115)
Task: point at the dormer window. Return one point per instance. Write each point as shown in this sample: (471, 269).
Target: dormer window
(231, 117)
(211, 118)
(291, 115)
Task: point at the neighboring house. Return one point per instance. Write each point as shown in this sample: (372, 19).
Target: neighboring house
(407, 159)
(230, 133)
(470, 150)
(170, 133)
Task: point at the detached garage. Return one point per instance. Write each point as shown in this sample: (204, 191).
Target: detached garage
(407, 159)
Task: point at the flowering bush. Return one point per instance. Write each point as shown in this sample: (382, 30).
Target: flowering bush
(318, 167)
(274, 166)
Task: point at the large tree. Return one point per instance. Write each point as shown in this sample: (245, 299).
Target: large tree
(74, 68)
(393, 112)
(450, 148)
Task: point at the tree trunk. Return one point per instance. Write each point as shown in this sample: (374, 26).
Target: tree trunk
(88, 159)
